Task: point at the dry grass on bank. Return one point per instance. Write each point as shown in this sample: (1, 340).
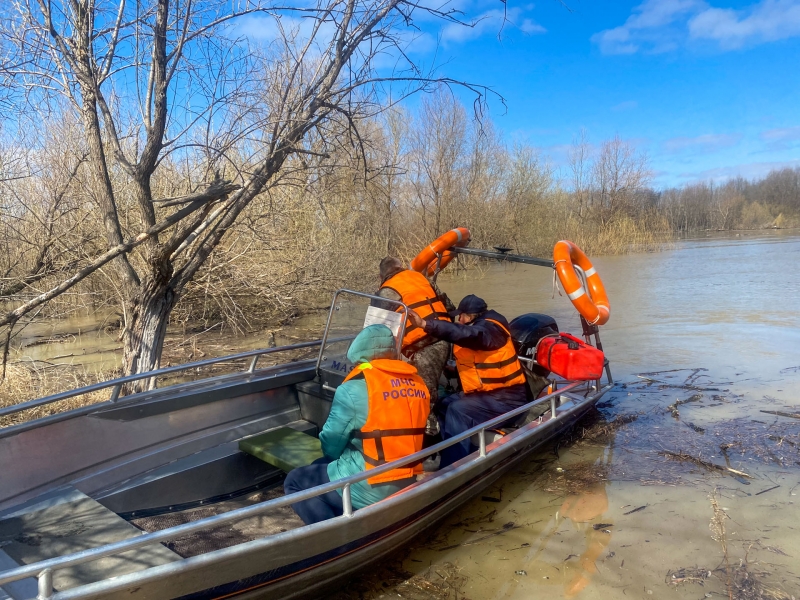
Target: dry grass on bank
(34, 380)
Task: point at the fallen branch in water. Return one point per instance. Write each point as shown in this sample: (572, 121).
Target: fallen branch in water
(695, 388)
(782, 414)
(635, 510)
(703, 463)
(781, 440)
(506, 528)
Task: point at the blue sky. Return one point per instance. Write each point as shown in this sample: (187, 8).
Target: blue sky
(710, 89)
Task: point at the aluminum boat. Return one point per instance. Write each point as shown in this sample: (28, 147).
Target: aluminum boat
(150, 496)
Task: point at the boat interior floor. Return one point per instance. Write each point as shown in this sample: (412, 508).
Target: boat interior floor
(229, 534)
(65, 522)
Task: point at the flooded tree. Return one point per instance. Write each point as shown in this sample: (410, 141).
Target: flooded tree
(189, 110)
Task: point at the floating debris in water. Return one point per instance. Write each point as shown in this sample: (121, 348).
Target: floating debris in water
(703, 463)
(694, 427)
(687, 575)
(630, 512)
(782, 414)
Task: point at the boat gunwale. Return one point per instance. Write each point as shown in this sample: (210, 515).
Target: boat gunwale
(36, 569)
(120, 381)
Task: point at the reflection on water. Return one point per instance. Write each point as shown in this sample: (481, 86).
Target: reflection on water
(704, 341)
(581, 510)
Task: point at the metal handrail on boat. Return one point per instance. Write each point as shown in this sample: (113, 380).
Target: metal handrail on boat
(43, 570)
(119, 382)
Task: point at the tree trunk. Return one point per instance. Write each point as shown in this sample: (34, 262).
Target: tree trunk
(147, 326)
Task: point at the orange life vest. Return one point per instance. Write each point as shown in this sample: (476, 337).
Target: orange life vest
(418, 295)
(399, 403)
(486, 370)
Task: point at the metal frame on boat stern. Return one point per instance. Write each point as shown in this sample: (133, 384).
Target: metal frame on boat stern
(43, 570)
(336, 294)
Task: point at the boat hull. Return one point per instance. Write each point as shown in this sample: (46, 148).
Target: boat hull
(313, 561)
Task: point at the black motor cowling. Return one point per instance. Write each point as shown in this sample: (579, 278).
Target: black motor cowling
(527, 330)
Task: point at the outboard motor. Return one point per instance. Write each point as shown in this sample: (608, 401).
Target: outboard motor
(527, 330)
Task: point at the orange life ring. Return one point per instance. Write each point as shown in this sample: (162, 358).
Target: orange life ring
(425, 261)
(594, 306)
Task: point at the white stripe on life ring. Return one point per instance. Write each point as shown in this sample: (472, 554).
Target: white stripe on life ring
(458, 233)
(576, 294)
(591, 272)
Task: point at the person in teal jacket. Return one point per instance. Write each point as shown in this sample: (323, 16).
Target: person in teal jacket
(342, 451)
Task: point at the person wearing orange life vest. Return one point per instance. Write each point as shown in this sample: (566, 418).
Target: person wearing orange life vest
(425, 352)
(492, 379)
(378, 415)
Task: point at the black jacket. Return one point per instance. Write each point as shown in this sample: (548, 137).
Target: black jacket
(481, 334)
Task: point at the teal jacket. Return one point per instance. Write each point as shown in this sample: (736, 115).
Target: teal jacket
(349, 413)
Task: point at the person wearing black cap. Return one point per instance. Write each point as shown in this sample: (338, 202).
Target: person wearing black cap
(492, 379)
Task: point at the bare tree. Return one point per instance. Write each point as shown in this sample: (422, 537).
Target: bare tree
(437, 156)
(395, 135)
(156, 82)
(528, 183)
(580, 168)
(40, 217)
(620, 172)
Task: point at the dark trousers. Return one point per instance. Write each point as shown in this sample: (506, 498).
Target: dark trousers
(459, 412)
(319, 508)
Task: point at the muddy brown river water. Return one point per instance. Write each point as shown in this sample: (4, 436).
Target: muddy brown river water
(683, 484)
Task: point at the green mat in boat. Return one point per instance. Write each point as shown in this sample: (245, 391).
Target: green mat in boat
(285, 448)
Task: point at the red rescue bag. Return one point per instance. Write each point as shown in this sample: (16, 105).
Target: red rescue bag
(569, 357)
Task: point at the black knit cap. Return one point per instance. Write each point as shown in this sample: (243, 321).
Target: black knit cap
(472, 305)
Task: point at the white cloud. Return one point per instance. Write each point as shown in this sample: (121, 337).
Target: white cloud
(268, 28)
(781, 135)
(782, 138)
(708, 142)
(664, 25)
(649, 24)
(767, 21)
(492, 21)
(625, 106)
(749, 171)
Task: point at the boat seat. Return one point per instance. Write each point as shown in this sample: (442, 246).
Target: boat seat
(285, 448)
(71, 522)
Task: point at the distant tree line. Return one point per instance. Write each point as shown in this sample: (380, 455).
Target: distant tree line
(771, 202)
